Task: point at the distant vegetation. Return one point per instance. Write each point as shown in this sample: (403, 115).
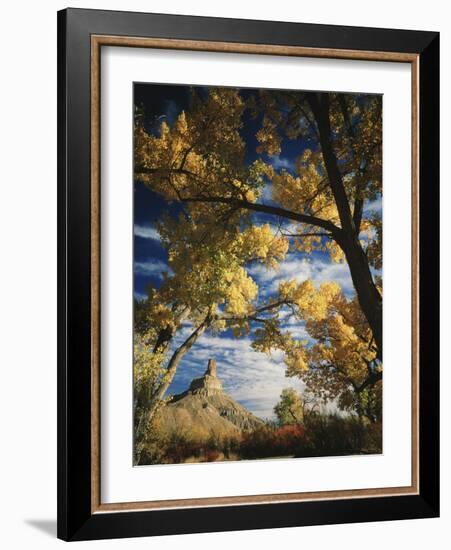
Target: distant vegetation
(313, 434)
(321, 435)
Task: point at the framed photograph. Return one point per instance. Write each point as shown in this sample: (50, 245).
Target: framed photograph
(248, 274)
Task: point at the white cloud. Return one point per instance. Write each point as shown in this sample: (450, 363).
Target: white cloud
(297, 329)
(374, 206)
(319, 271)
(155, 268)
(279, 163)
(252, 378)
(146, 232)
(266, 196)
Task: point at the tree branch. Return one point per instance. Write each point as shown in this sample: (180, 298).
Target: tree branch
(274, 210)
(370, 381)
(307, 235)
(244, 204)
(251, 314)
(319, 103)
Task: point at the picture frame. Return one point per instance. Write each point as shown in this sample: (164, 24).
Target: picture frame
(81, 36)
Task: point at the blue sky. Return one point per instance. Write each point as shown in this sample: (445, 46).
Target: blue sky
(252, 378)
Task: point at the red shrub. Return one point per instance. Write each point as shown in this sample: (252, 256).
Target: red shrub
(211, 455)
(267, 442)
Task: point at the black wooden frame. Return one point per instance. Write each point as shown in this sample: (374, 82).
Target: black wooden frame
(75, 520)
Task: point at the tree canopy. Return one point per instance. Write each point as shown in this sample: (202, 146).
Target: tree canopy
(201, 163)
(290, 408)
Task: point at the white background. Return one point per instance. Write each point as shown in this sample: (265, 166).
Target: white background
(120, 482)
(28, 275)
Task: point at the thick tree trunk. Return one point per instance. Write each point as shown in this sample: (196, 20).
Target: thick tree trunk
(368, 295)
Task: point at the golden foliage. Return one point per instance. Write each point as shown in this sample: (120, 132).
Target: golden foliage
(200, 162)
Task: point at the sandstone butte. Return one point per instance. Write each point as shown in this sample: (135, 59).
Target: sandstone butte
(204, 410)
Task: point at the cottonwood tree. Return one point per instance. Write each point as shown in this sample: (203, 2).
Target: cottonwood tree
(290, 408)
(200, 162)
(340, 362)
(208, 288)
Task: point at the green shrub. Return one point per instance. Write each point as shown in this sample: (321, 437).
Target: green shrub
(331, 435)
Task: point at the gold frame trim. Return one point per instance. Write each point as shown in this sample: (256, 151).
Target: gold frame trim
(97, 41)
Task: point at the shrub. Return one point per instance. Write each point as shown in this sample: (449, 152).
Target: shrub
(269, 441)
(211, 455)
(321, 435)
(331, 435)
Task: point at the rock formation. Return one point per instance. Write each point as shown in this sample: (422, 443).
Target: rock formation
(207, 385)
(205, 410)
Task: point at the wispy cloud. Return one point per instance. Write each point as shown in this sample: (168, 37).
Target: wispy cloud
(146, 232)
(319, 271)
(296, 328)
(279, 162)
(373, 207)
(266, 196)
(154, 268)
(251, 378)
